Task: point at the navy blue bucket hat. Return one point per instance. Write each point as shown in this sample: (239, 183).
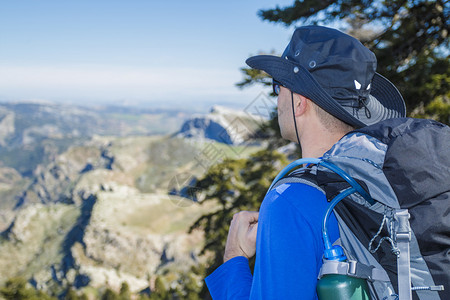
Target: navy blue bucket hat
(337, 72)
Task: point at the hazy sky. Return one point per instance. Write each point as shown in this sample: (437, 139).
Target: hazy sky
(135, 51)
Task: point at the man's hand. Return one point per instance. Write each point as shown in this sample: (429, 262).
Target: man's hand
(241, 239)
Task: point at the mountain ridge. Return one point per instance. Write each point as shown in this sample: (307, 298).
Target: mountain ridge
(221, 124)
(98, 212)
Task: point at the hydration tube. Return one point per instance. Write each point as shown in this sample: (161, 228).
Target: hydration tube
(336, 252)
(333, 252)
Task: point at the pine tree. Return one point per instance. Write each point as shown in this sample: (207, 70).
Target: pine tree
(18, 289)
(71, 294)
(409, 38)
(125, 293)
(110, 295)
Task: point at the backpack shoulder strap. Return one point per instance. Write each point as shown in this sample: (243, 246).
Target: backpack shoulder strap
(303, 175)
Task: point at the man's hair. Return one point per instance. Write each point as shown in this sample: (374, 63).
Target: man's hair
(332, 123)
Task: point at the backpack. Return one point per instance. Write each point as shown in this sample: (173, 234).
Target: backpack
(402, 237)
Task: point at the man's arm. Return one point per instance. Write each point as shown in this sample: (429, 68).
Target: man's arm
(289, 248)
(289, 244)
(241, 240)
(233, 279)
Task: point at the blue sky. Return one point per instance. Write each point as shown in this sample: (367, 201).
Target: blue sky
(134, 52)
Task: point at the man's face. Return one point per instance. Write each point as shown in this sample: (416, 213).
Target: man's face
(285, 115)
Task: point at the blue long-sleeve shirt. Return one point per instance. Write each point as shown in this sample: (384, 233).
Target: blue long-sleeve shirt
(289, 249)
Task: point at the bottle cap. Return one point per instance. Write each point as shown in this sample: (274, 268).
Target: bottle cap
(335, 253)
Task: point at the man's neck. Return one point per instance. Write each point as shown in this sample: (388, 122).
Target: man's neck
(315, 138)
(316, 141)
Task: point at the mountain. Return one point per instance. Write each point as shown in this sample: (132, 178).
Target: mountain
(222, 124)
(117, 235)
(34, 133)
(103, 209)
(100, 214)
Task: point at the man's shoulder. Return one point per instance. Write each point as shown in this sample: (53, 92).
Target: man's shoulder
(294, 186)
(298, 196)
(302, 178)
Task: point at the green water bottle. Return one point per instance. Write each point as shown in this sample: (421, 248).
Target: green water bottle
(340, 286)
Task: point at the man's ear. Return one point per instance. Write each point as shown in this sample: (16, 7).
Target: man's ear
(301, 104)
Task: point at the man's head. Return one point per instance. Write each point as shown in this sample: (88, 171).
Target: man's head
(337, 73)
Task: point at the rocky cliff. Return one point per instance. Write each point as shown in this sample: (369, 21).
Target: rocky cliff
(98, 213)
(222, 124)
(84, 222)
(33, 133)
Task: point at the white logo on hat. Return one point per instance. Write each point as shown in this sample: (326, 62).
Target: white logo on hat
(357, 85)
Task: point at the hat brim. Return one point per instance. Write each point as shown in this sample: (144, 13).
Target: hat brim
(385, 101)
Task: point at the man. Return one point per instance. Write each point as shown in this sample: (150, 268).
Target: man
(327, 86)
